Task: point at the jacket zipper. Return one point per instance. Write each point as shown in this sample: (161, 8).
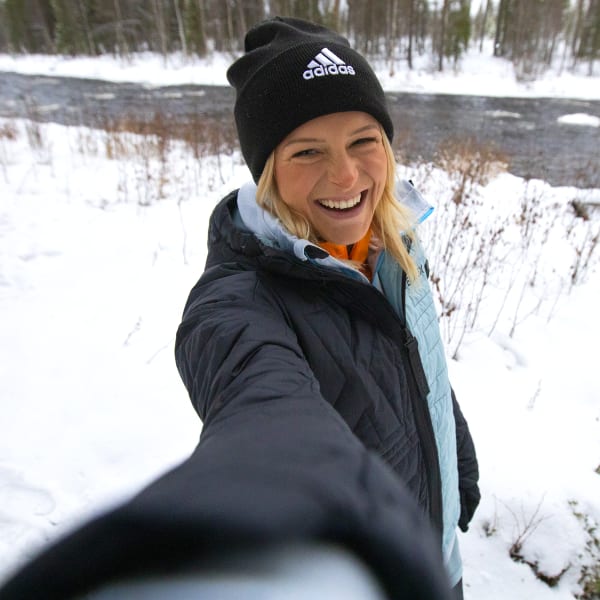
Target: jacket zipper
(350, 293)
(420, 390)
(342, 288)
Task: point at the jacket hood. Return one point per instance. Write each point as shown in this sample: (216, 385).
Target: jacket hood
(269, 230)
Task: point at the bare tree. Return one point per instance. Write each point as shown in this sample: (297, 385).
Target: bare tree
(442, 39)
(579, 17)
(122, 45)
(241, 18)
(589, 42)
(180, 26)
(483, 18)
(502, 21)
(160, 26)
(411, 32)
(336, 15)
(195, 25)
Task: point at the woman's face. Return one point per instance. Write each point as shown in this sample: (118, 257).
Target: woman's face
(333, 171)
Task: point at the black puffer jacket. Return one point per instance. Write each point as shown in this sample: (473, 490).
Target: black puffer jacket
(262, 326)
(299, 377)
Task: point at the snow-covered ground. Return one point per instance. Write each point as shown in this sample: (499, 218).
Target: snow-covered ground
(97, 256)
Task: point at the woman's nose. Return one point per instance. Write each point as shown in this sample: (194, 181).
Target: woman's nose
(343, 171)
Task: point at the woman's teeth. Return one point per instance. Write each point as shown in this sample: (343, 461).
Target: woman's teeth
(341, 204)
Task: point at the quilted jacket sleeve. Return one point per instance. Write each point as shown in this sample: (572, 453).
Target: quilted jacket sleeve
(275, 464)
(276, 458)
(234, 349)
(468, 469)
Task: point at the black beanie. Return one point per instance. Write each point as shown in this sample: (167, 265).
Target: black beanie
(294, 71)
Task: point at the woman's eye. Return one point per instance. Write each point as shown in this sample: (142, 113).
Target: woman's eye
(364, 141)
(303, 153)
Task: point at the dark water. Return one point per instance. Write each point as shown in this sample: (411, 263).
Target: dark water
(525, 130)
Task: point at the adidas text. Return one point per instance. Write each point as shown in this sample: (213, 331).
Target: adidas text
(327, 63)
(331, 70)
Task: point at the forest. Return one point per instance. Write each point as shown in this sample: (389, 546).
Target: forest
(531, 33)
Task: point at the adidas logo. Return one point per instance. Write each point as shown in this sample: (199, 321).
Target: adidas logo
(327, 63)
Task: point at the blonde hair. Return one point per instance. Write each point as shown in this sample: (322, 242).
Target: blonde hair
(391, 221)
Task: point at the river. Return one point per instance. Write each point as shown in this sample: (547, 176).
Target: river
(526, 130)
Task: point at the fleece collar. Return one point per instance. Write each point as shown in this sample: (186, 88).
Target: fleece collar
(269, 230)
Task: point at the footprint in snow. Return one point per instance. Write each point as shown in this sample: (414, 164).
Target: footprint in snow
(21, 499)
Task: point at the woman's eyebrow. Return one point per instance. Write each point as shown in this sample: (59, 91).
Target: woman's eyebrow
(305, 140)
(365, 128)
(312, 140)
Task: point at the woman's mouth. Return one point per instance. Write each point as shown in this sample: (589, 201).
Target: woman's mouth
(342, 204)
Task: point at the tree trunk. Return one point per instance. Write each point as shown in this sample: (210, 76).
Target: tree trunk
(443, 20)
(44, 19)
(391, 34)
(180, 28)
(499, 38)
(486, 16)
(201, 37)
(89, 39)
(159, 20)
(229, 21)
(121, 40)
(242, 17)
(577, 30)
(411, 32)
(336, 15)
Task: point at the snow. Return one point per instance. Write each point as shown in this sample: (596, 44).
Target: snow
(580, 119)
(477, 73)
(96, 259)
(147, 68)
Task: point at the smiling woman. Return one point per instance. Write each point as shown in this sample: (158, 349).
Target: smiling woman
(338, 151)
(332, 263)
(332, 171)
(311, 352)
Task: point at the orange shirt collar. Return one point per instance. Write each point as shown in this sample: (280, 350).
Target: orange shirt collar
(359, 251)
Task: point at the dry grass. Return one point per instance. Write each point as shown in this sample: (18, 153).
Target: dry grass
(8, 131)
(202, 135)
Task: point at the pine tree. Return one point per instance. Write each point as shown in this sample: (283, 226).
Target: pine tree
(455, 30)
(502, 27)
(15, 14)
(194, 19)
(458, 29)
(72, 34)
(589, 44)
(122, 47)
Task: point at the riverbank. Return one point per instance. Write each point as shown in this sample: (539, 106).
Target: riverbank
(477, 73)
(554, 139)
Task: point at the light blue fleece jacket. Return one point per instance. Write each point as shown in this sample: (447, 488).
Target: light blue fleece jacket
(421, 318)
